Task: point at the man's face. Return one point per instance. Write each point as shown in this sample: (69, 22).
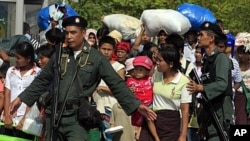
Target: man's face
(205, 38)
(75, 37)
(107, 50)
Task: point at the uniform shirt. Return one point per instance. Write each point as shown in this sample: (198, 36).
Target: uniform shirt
(169, 96)
(97, 67)
(143, 89)
(223, 65)
(17, 84)
(106, 99)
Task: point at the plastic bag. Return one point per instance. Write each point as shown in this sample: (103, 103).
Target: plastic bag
(127, 25)
(57, 11)
(171, 21)
(196, 14)
(33, 123)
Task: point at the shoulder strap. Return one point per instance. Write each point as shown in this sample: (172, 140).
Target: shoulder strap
(185, 69)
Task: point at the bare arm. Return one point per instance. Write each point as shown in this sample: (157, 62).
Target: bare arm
(4, 56)
(7, 115)
(121, 72)
(1, 102)
(138, 39)
(236, 85)
(184, 120)
(106, 89)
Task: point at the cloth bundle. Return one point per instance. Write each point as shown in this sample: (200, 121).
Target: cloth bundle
(171, 21)
(127, 25)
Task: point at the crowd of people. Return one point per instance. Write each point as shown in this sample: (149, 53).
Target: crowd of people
(142, 84)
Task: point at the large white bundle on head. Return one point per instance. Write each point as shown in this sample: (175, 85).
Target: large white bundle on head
(243, 38)
(127, 25)
(171, 21)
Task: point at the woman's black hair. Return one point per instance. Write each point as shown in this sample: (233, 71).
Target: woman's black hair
(171, 54)
(26, 50)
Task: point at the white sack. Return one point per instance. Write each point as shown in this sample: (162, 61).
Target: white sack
(171, 21)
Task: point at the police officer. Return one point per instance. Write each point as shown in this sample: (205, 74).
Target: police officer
(216, 87)
(92, 68)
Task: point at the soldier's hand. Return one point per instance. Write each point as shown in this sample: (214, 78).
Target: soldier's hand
(147, 112)
(194, 88)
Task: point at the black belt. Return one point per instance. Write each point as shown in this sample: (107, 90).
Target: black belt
(69, 106)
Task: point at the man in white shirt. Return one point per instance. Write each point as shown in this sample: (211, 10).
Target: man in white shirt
(190, 44)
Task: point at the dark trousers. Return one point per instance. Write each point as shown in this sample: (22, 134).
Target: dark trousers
(69, 129)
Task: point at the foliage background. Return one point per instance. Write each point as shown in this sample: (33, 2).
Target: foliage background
(233, 13)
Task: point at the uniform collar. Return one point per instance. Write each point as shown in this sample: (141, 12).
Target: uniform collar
(86, 47)
(216, 50)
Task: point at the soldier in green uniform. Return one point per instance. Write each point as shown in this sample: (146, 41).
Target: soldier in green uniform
(216, 86)
(92, 68)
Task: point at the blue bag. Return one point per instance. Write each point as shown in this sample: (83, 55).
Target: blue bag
(43, 19)
(196, 14)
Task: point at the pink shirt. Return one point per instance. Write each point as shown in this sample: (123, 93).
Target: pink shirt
(143, 89)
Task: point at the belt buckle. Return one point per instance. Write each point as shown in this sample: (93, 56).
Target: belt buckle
(74, 106)
(71, 106)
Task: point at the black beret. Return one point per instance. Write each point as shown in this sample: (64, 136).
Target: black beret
(212, 27)
(75, 21)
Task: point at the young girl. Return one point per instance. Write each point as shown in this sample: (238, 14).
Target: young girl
(18, 78)
(141, 85)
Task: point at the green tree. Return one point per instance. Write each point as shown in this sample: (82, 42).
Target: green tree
(234, 13)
